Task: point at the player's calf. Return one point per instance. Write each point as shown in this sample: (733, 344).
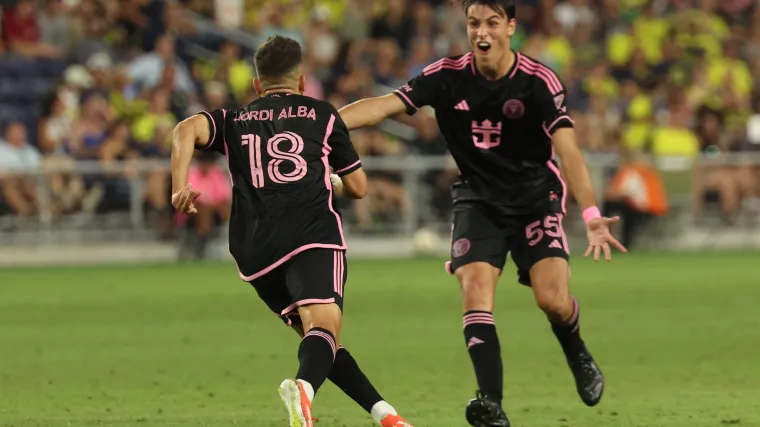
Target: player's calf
(319, 345)
(348, 377)
(478, 282)
(316, 355)
(550, 282)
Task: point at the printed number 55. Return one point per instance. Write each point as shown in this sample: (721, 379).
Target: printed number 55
(551, 228)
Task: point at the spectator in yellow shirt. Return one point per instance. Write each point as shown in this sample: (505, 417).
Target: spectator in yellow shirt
(675, 139)
(599, 82)
(732, 66)
(147, 127)
(232, 70)
(650, 32)
(636, 133)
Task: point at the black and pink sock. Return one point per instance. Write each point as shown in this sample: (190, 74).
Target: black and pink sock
(483, 345)
(316, 355)
(568, 333)
(347, 375)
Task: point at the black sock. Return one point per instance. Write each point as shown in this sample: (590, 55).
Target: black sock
(483, 345)
(347, 375)
(568, 333)
(316, 355)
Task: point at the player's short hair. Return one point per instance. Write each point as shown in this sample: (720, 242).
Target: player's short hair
(508, 7)
(277, 58)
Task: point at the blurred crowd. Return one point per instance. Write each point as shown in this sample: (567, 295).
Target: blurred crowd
(666, 77)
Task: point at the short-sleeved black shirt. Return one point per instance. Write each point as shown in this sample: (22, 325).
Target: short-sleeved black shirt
(280, 149)
(499, 132)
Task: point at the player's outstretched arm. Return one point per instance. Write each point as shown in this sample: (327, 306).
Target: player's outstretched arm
(371, 111)
(579, 180)
(187, 134)
(353, 185)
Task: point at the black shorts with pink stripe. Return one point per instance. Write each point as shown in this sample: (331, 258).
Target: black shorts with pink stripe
(480, 233)
(314, 276)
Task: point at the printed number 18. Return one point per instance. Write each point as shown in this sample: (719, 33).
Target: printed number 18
(277, 158)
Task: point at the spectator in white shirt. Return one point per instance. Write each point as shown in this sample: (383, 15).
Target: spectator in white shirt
(574, 12)
(146, 70)
(16, 158)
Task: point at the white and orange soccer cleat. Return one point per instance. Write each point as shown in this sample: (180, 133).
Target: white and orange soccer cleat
(297, 402)
(394, 421)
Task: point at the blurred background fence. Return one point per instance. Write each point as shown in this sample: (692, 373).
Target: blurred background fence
(663, 93)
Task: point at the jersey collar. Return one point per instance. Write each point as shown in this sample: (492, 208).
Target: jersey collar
(495, 83)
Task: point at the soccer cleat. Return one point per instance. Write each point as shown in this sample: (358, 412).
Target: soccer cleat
(394, 421)
(485, 412)
(297, 403)
(589, 380)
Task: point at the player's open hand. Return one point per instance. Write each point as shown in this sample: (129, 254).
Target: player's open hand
(600, 239)
(184, 198)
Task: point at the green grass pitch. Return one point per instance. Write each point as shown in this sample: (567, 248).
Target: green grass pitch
(678, 337)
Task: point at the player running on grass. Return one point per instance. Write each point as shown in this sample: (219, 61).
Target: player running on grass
(285, 234)
(503, 115)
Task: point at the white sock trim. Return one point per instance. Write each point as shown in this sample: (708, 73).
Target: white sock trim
(308, 389)
(381, 410)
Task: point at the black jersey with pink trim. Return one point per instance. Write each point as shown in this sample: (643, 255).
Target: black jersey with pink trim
(499, 132)
(280, 149)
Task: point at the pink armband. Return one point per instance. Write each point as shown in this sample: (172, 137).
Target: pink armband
(591, 213)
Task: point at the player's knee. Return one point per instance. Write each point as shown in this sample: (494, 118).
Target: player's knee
(478, 286)
(552, 296)
(323, 316)
(549, 280)
(553, 304)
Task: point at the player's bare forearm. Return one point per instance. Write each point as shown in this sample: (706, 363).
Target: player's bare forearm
(371, 111)
(361, 113)
(574, 167)
(183, 145)
(189, 133)
(351, 186)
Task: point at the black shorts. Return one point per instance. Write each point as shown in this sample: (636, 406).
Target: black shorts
(314, 276)
(480, 233)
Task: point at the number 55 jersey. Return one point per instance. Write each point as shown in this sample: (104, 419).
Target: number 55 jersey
(280, 149)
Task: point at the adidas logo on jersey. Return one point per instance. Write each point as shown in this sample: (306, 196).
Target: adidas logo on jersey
(555, 244)
(462, 106)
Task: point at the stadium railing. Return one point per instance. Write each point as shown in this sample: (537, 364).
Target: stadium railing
(423, 226)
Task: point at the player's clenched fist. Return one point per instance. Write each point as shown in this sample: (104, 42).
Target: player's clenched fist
(183, 200)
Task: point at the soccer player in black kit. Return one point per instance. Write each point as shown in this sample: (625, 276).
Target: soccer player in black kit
(285, 233)
(503, 116)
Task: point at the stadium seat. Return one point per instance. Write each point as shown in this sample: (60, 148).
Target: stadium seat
(7, 88)
(52, 69)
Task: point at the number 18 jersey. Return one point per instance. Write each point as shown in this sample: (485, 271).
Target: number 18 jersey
(280, 149)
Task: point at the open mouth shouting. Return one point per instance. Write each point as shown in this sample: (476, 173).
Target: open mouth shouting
(483, 47)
